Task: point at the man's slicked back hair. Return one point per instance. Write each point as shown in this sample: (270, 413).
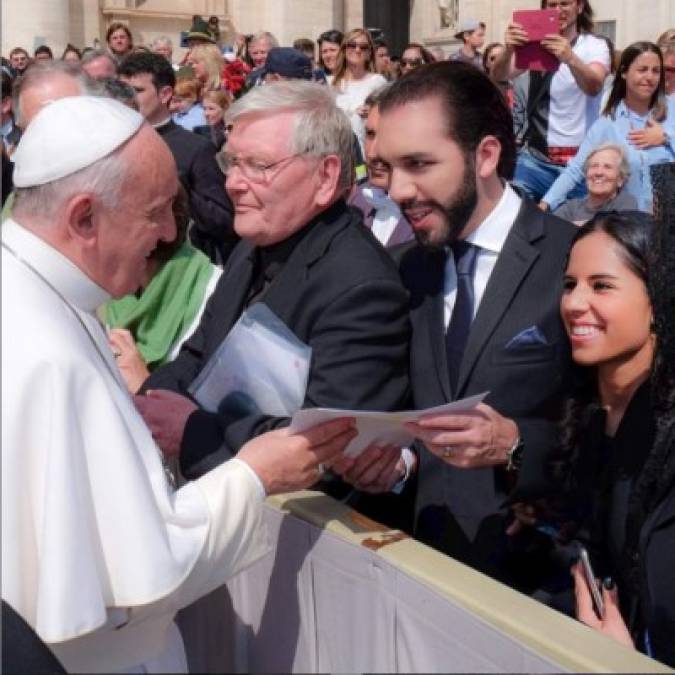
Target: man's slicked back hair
(473, 106)
(155, 65)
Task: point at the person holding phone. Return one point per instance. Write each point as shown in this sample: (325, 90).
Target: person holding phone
(561, 105)
(607, 462)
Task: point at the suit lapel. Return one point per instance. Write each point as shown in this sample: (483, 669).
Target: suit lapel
(514, 262)
(401, 233)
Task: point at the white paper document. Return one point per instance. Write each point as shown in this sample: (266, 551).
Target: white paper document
(379, 427)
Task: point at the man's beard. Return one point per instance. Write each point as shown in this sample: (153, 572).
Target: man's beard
(457, 211)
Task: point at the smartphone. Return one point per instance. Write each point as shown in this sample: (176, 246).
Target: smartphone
(589, 576)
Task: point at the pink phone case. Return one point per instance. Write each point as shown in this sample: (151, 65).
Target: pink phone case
(538, 23)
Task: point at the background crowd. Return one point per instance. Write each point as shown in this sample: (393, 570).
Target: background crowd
(528, 257)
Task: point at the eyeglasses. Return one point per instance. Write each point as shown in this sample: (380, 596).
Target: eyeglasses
(412, 62)
(363, 46)
(252, 169)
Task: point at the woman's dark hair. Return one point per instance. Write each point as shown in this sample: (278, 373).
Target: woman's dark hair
(474, 107)
(71, 48)
(427, 56)
(631, 230)
(618, 93)
(334, 37)
(584, 20)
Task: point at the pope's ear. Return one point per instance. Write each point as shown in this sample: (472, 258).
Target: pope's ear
(80, 219)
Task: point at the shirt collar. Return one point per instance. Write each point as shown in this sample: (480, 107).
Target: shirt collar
(70, 281)
(492, 232)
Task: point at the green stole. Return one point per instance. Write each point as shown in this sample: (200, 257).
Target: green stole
(166, 308)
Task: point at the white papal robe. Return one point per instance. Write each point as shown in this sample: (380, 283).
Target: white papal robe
(98, 551)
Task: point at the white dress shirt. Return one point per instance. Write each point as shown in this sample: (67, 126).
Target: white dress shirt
(489, 236)
(387, 213)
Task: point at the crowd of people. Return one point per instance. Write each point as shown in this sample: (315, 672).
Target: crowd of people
(394, 214)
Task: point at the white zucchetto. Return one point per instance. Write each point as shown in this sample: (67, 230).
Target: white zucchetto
(70, 134)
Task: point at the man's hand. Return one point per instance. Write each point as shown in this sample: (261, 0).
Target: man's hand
(613, 624)
(559, 46)
(651, 136)
(166, 413)
(377, 469)
(128, 358)
(475, 439)
(286, 461)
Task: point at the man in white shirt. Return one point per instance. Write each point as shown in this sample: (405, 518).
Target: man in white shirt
(561, 106)
(485, 283)
(98, 550)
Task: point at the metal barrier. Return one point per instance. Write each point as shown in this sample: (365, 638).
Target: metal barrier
(340, 593)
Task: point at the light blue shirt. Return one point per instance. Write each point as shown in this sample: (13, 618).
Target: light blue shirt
(191, 118)
(615, 130)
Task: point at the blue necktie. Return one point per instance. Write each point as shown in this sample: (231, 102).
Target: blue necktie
(462, 313)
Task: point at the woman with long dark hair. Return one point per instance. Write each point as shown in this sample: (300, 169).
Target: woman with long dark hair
(608, 462)
(638, 116)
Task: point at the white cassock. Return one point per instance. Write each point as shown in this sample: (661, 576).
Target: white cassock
(98, 551)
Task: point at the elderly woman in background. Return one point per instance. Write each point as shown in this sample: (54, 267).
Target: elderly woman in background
(606, 170)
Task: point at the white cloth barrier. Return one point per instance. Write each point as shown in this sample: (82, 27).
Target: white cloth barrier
(342, 594)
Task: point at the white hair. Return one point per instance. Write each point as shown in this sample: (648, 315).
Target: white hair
(624, 167)
(265, 35)
(38, 73)
(162, 40)
(103, 179)
(321, 128)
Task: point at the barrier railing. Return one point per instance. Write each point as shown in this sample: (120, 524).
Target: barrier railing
(340, 593)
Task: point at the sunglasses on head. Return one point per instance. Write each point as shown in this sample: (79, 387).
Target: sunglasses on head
(363, 46)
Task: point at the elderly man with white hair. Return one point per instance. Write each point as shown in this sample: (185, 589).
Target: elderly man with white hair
(606, 169)
(99, 550)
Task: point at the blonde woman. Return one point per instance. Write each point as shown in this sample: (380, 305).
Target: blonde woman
(207, 62)
(355, 78)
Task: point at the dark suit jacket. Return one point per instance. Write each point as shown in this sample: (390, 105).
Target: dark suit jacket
(340, 293)
(210, 206)
(461, 511)
(402, 232)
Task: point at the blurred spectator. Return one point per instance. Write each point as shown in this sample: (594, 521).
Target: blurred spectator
(668, 50)
(120, 91)
(491, 55)
(638, 116)
(71, 54)
(606, 170)
(437, 53)
(207, 63)
(414, 56)
(149, 327)
(186, 108)
(285, 63)
(382, 59)
(258, 49)
(153, 80)
(380, 213)
(10, 132)
(164, 47)
(99, 64)
(119, 40)
(215, 104)
(19, 60)
(213, 27)
(472, 34)
(306, 46)
(355, 78)
(329, 48)
(666, 37)
(199, 33)
(561, 106)
(43, 53)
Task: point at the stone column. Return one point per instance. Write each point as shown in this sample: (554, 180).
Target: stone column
(30, 22)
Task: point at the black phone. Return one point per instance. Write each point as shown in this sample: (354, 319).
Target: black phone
(593, 587)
